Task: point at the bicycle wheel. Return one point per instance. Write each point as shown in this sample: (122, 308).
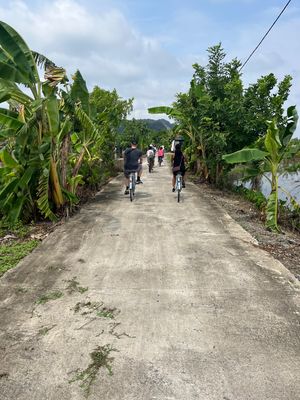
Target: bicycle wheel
(178, 186)
(131, 186)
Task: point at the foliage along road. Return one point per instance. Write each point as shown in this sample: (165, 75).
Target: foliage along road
(149, 300)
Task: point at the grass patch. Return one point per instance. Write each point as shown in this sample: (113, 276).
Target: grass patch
(12, 253)
(106, 313)
(87, 307)
(73, 286)
(49, 296)
(100, 358)
(17, 229)
(99, 308)
(43, 331)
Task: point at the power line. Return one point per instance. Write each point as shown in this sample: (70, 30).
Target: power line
(266, 34)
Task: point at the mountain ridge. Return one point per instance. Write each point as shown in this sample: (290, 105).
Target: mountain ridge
(157, 124)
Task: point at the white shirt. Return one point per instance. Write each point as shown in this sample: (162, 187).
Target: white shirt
(150, 153)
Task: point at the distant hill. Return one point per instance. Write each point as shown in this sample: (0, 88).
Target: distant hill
(158, 124)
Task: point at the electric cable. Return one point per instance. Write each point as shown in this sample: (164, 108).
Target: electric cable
(266, 34)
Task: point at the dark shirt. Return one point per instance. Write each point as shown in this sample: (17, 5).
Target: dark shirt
(179, 160)
(131, 159)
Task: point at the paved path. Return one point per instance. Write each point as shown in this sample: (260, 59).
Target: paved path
(180, 305)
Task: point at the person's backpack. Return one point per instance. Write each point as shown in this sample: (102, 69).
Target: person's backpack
(150, 153)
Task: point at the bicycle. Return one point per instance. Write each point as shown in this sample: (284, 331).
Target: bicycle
(178, 186)
(132, 183)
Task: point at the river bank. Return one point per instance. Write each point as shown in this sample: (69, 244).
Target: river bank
(284, 247)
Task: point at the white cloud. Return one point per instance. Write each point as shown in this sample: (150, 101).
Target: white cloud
(108, 51)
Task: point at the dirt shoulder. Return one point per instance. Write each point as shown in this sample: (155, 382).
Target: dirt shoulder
(284, 247)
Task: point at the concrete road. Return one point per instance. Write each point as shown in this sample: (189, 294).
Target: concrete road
(149, 300)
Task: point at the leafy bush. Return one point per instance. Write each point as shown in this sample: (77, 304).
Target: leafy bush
(253, 196)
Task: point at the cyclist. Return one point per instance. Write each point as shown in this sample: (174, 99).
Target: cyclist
(132, 163)
(160, 155)
(150, 157)
(154, 150)
(178, 165)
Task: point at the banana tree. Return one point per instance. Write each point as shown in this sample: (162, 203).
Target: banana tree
(269, 153)
(85, 133)
(34, 125)
(40, 123)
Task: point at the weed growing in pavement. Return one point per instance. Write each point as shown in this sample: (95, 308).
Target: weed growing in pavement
(106, 313)
(12, 253)
(43, 331)
(101, 311)
(73, 286)
(49, 296)
(21, 289)
(100, 359)
(89, 307)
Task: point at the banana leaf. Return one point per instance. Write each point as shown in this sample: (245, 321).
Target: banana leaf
(171, 112)
(52, 114)
(160, 110)
(9, 90)
(8, 160)
(15, 211)
(8, 190)
(291, 126)
(42, 61)
(244, 155)
(10, 120)
(26, 177)
(272, 141)
(18, 55)
(7, 133)
(94, 134)
(79, 92)
(12, 73)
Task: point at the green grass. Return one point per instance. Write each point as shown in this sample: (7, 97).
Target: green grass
(49, 296)
(73, 286)
(106, 313)
(100, 358)
(44, 331)
(18, 229)
(12, 253)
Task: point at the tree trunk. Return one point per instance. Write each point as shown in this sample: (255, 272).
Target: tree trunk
(64, 159)
(56, 189)
(79, 162)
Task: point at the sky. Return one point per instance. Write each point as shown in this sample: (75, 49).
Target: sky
(145, 49)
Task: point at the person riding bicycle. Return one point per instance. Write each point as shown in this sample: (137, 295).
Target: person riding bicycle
(154, 151)
(160, 155)
(150, 157)
(178, 165)
(132, 163)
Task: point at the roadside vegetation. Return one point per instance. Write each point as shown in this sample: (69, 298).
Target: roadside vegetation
(13, 252)
(58, 141)
(227, 126)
